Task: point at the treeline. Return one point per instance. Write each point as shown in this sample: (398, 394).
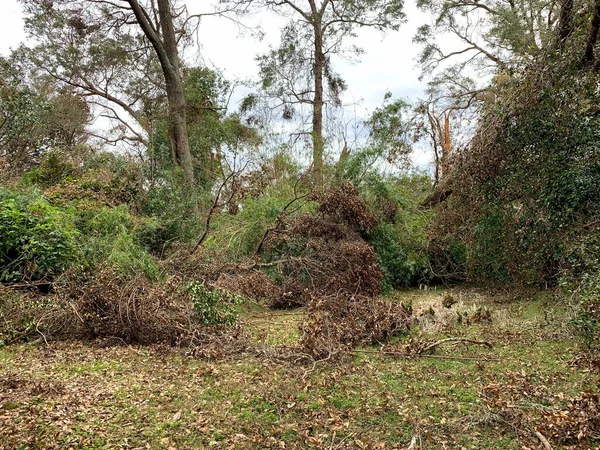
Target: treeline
(205, 206)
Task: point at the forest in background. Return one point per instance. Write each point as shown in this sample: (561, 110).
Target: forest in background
(176, 216)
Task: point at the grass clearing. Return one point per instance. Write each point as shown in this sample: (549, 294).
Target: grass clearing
(74, 395)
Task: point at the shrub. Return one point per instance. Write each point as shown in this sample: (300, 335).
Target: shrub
(529, 180)
(37, 241)
(18, 315)
(213, 306)
(403, 264)
(54, 168)
(114, 236)
(582, 281)
(400, 238)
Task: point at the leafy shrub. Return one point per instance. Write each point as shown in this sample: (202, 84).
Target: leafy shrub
(401, 266)
(170, 204)
(582, 281)
(213, 306)
(118, 177)
(401, 236)
(114, 236)
(530, 178)
(37, 241)
(55, 167)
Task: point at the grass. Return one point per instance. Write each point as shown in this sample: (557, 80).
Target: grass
(80, 396)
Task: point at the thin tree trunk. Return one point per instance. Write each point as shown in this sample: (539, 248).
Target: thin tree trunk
(317, 123)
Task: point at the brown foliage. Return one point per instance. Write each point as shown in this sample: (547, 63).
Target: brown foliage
(339, 322)
(134, 310)
(130, 310)
(254, 284)
(345, 205)
(516, 404)
(325, 253)
(292, 295)
(579, 420)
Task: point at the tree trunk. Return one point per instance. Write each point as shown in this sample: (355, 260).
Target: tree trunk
(317, 123)
(593, 36)
(565, 21)
(178, 133)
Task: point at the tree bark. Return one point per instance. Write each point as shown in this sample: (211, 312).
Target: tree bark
(317, 123)
(565, 21)
(593, 36)
(176, 101)
(168, 56)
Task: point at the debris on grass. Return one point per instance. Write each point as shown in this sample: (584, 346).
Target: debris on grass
(337, 323)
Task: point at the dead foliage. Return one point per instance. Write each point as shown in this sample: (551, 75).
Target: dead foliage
(336, 323)
(33, 387)
(113, 308)
(323, 254)
(593, 310)
(528, 407)
(330, 258)
(292, 295)
(481, 315)
(579, 420)
(254, 284)
(132, 309)
(20, 312)
(345, 205)
(329, 266)
(448, 301)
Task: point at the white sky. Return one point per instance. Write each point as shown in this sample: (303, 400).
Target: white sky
(388, 63)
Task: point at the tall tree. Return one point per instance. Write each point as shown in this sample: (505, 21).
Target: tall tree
(469, 42)
(36, 116)
(122, 54)
(300, 71)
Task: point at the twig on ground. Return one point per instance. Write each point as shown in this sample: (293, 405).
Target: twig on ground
(543, 440)
(420, 355)
(455, 339)
(37, 328)
(413, 443)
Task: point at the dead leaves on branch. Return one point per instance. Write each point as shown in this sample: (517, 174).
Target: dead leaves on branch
(338, 323)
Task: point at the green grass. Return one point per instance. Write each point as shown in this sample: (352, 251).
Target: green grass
(73, 395)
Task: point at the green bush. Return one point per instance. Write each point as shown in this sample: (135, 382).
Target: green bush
(37, 241)
(54, 168)
(114, 236)
(403, 265)
(214, 306)
(581, 280)
(400, 240)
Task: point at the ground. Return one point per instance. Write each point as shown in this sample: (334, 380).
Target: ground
(83, 395)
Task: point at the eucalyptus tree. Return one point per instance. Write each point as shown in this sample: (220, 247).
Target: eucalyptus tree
(300, 70)
(121, 54)
(36, 116)
(470, 47)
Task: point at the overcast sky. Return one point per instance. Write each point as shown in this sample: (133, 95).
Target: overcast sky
(388, 63)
